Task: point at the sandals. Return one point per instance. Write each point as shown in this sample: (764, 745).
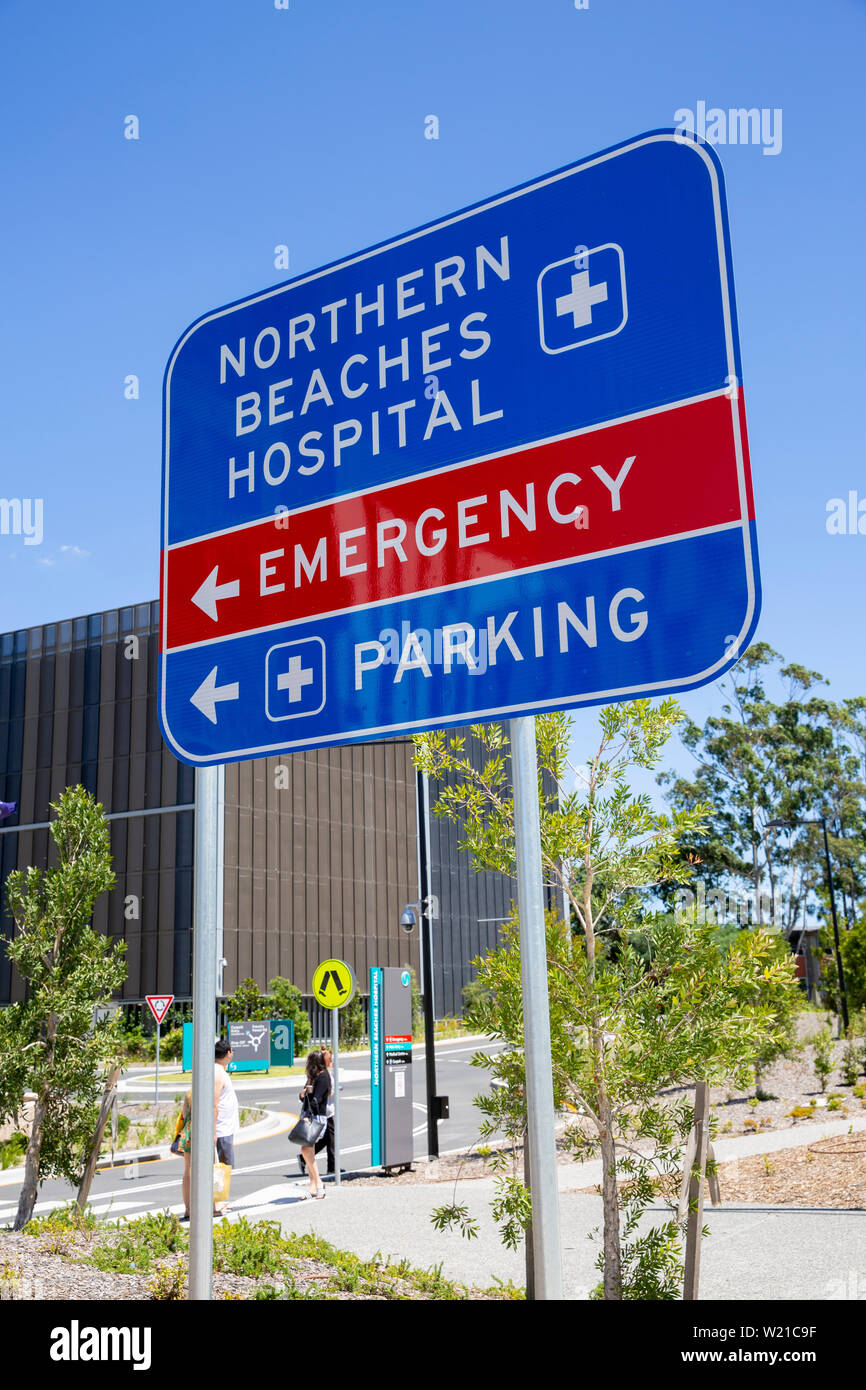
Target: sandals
(313, 1196)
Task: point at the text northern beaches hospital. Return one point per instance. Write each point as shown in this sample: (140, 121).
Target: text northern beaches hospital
(417, 357)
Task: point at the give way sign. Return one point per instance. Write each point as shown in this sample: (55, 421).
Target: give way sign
(159, 1005)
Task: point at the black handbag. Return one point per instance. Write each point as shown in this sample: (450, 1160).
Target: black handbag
(309, 1128)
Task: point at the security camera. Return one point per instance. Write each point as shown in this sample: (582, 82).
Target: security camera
(407, 919)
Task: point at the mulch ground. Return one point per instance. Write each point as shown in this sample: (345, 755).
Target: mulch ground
(826, 1173)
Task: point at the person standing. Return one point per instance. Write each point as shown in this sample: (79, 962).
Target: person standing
(225, 1107)
(327, 1139)
(314, 1100)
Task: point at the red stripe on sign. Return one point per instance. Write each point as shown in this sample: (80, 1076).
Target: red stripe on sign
(637, 481)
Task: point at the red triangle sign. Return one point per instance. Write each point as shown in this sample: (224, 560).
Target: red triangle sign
(159, 1005)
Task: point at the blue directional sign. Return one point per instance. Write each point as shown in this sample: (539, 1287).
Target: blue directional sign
(494, 466)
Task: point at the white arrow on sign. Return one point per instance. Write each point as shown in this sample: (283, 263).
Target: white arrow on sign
(208, 595)
(209, 694)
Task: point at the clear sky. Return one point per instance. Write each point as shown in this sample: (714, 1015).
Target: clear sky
(305, 127)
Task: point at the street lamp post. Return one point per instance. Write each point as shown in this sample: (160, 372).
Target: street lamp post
(822, 821)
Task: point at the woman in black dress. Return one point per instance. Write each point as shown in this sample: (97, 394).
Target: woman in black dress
(314, 1097)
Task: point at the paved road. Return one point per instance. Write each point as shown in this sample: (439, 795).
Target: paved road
(265, 1162)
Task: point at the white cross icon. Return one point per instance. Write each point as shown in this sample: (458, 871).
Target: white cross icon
(581, 299)
(295, 679)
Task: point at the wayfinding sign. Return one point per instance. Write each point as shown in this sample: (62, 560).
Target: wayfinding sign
(250, 1041)
(495, 466)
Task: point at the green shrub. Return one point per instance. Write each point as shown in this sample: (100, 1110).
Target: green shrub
(169, 1282)
(13, 1149)
(70, 1218)
(823, 1056)
(134, 1245)
(251, 1249)
(475, 993)
(284, 999)
(170, 1045)
(352, 1024)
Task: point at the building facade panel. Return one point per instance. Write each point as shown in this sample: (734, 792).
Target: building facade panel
(321, 848)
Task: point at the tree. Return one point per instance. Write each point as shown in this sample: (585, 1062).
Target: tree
(285, 1000)
(774, 992)
(247, 1002)
(53, 1043)
(282, 1001)
(636, 1004)
(762, 760)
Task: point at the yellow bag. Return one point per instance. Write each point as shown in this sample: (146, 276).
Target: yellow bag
(222, 1176)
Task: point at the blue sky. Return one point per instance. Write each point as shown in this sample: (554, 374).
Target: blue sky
(305, 127)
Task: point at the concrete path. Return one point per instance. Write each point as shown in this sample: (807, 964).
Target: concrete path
(753, 1253)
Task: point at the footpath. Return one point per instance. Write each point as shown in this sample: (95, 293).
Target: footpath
(753, 1252)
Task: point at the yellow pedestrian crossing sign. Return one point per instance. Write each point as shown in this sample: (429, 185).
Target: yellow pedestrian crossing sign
(333, 983)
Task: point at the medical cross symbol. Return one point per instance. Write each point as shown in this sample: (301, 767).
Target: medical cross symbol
(581, 299)
(295, 679)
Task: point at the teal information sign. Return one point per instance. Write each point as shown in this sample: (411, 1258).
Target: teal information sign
(375, 1065)
(282, 1044)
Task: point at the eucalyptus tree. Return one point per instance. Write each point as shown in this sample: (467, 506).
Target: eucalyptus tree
(54, 1044)
(636, 1005)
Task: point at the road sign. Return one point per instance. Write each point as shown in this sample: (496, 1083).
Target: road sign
(334, 984)
(159, 1005)
(495, 466)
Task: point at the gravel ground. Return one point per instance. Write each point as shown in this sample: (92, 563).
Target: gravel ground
(33, 1269)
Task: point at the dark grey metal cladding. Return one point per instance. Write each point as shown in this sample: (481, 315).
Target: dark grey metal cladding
(320, 848)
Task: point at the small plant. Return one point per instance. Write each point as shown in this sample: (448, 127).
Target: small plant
(851, 1064)
(823, 1056)
(169, 1282)
(769, 1167)
(135, 1246)
(290, 1292)
(506, 1289)
(859, 1092)
(802, 1112)
(244, 1247)
(10, 1278)
(836, 1104)
(68, 1219)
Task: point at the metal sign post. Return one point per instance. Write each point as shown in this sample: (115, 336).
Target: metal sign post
(159, 1005)
(547, 1260)
(203, 1004)
(334, 987)
(335, 1049)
